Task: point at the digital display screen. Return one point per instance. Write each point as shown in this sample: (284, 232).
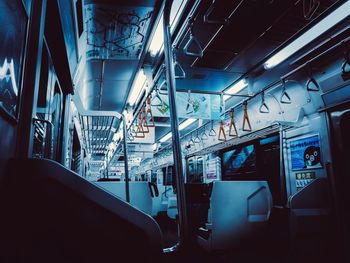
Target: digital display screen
(239, 161)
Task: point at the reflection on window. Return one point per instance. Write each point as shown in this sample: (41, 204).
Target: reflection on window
(239, 161)
(13, 22)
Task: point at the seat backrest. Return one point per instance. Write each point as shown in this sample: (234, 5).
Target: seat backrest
(51, 214)
(140, 195)
(238, 209)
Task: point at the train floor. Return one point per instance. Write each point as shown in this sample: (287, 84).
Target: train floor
(274, 247)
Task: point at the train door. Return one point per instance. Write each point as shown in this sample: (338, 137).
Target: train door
(48, 117)
(270, 166)
(340, 130)
(195, 169)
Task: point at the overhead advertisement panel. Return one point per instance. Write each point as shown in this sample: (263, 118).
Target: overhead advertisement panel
(197, 106)
(305, 153)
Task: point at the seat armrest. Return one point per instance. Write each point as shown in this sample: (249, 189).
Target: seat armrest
(204, 233)
(209, 226)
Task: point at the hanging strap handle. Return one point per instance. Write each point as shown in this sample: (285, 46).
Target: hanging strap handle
(140, 133)
(204, 136)
(132, 131)
(222, 134)
(285, 98)
(149, 113)
(246, 120)
(189, 106)
(263, 107)
(233, 130)
(178, 69)
(193, 41)
(144, 119)
(197, 139)
(207, 14)
(311, 84)
(212, 132)
(310, 8)
(346, 65)
(158, 98)
(131, 136)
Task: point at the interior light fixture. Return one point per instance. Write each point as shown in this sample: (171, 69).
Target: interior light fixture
(158, 38)
(136, 89)
(112, 146)
(186, 123)
(155, 146)
(117, 136)
(182, 126)
(320, 28)
(235, 88)
(166, 137)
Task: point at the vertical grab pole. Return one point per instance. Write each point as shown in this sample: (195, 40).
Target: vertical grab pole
(126, 168)
(171, 86)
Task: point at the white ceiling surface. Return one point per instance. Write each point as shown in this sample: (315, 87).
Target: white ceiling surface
(114, 84)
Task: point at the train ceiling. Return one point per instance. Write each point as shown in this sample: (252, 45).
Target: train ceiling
(237, 39)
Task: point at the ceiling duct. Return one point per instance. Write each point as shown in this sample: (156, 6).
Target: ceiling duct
(116, 32)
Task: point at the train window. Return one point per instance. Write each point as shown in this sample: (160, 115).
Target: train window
(44, 76)
(168, 173)
(195, 169)
(79, 10)
(13, 35)
(239, 163)
(153, 177)
(200, 169)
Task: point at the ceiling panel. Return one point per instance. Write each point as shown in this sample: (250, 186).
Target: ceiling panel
(114, 94)
(206, 80)
(116, 31)
(119, 69)
(93, 70)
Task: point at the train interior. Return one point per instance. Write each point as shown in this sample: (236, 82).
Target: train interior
(174, 131)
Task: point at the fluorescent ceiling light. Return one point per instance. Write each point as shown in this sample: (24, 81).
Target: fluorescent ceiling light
(320, 28)
(166, 137)
(235, 88)
(136, 89)
(182, 126)
(158, 37)
(118, 135)
(186, 123)
(155, 146)
(112, 146)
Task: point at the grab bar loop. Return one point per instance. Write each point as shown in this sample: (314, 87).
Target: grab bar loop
(263, 107)
(246, 120)
(232, 130)
(178, 69)
(310, 9)
(193, 41)
(212, 132)
(222, 131)
(285, 98)
(346, 66)
(149, 114)
(189, 106)
(207, 14)
(311, 84)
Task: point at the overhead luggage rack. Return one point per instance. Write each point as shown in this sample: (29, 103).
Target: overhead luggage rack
(262, 133)
(97, 132)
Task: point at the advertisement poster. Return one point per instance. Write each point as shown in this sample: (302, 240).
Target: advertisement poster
(306, 153)
(198, 106)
